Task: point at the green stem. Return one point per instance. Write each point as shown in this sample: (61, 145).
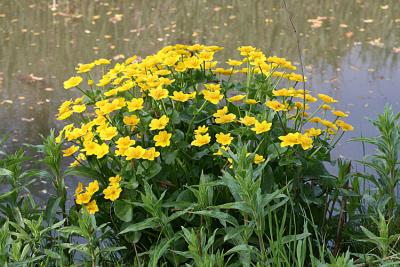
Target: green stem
(194, 116)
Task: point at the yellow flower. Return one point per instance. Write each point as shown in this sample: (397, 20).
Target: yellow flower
(248, 120)
(296, 77)
(79, 189)
(115, 180)
(326, 107)
(223, 71)
(159, 93)
(125, 142)
(339, 113)
(192, 63)
(92, 148)
(290, 139)
(276, 106)
(201, 140)
(329, 124)
(258, 159)
(310, 98)
(74, 163)
(284, 92)
(219, 151)
(226, 118)
(305, 141)
(69, 151)
(316, 120)
(79, 108)
(82, 68)
(234, 63)
(221, 112)
(180, 67)
(108, 133)
(83, 198)
(162, 139)
(313, 132)
(132, 120)
(344, 126)
(136, 152)
(261, 127)
(212, 96)
(72, 82)
(326, 98)
(159, 124)
(224, 139)
(120, 151)
(92, 207)
(151, 154)
(181, 96)
(236, 98)
(102, 150)
(301, 105)
(201, 130)
(171, 60)
(112, 193)
(213, 87)
(251, 101)
(111, 92)
(106, 79)
(81, 157)
(206, 56)
(102, 61)
(223, 117)
(126, 86)
(246, 50)
(135, 104)
(92, 187)
(130, 60)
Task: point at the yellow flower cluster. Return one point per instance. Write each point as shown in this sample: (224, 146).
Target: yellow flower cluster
(142, 108)
(292, 139)
(83, 198)
(113, 189)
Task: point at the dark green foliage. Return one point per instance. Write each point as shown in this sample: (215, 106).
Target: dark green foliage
(271, 214)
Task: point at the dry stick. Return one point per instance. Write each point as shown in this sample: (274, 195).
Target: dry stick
(300, 57)
(342, 218)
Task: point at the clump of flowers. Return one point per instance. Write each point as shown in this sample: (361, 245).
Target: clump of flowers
(173, 115)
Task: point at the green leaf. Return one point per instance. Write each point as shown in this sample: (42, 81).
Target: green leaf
(170, 157)
(175, 118)
(83, 171)
(274, 150)
(149, 169)
(52, 254)
(292, 238)
(240, 248)
(5, 172)
(123, 210)
(148, 223)
(158, 251)
(51, 209)
(112, 249)
(242, 206)
(222, 216)
(72, 230)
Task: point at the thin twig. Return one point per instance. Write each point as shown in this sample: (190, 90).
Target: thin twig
(300, 57)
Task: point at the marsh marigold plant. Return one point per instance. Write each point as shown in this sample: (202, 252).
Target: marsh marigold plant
(170, 117)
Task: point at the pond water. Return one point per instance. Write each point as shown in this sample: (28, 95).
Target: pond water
(350, 49)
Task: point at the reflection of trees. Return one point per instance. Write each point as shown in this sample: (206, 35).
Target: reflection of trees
(54, 42)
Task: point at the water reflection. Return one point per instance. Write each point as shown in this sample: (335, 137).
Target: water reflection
(350, 48)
